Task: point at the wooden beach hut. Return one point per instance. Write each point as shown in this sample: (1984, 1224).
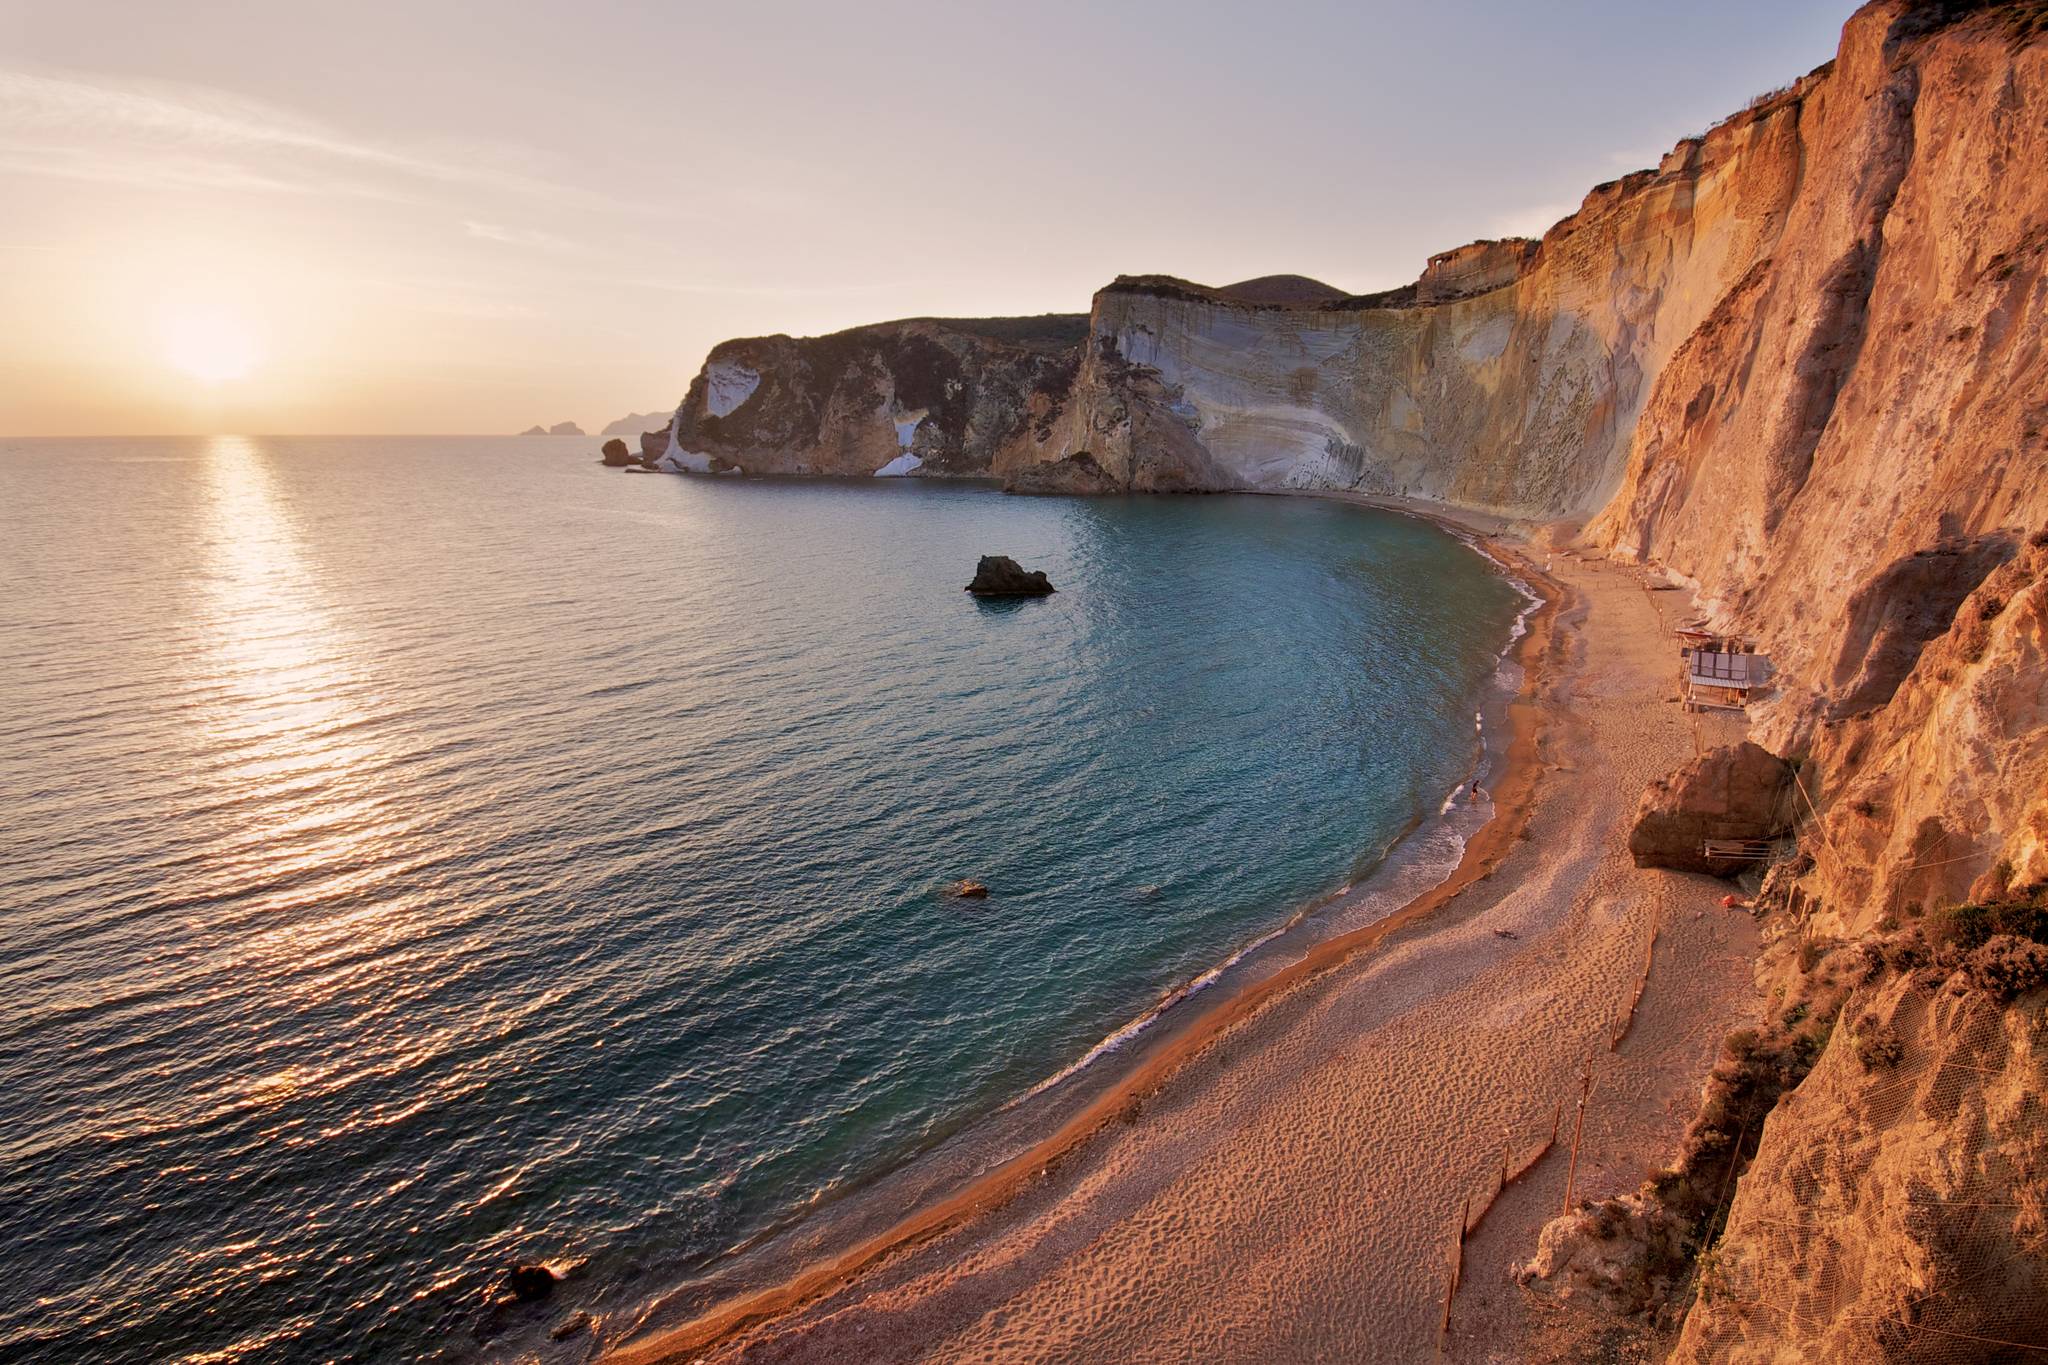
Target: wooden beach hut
(1721, 678)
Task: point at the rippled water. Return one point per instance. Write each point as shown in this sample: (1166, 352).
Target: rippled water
(421, 854)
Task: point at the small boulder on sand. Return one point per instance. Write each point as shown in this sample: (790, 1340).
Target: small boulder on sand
(1002, 576)
(1743, 791)
(1619, 1256)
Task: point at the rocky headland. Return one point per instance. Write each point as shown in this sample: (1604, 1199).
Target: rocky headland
(930, 396)
(1799, 369)
(633, 423)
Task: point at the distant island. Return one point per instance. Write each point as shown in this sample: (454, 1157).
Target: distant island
(558, 429)
(633, 423)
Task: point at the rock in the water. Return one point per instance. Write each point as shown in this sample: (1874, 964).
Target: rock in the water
(565, 429)
(1002, 576)
(969, 889)
(535, 431)
(1740, 792)
(616, 455)
(530, 1282)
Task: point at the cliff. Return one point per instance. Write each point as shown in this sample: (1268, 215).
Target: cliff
(1800, 367)
(1899, 1197)
(937, 396)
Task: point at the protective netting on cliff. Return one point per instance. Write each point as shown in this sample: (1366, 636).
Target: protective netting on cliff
(1911, 1225)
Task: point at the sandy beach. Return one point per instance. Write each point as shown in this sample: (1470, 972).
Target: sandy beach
(1287, 1183)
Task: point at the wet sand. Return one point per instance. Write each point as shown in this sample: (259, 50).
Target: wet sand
(1285, 1182)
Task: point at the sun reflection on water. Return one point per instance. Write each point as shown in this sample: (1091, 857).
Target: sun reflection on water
(294, 766)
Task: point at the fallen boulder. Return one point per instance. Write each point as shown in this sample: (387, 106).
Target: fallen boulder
(1620, 1256)
(1743, 792)
(1002, 576)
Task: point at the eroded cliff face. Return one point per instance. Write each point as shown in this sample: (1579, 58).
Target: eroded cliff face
(1800, 366)
(934, 396)
(1848, 460)
(1898, 1204)
(1508, 379)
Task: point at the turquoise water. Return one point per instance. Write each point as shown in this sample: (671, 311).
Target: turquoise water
(420, 855)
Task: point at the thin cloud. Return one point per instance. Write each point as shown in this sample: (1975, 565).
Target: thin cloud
(209, 127)
(510, 236)
(766, 291)
(179, 171)
(1532, 221)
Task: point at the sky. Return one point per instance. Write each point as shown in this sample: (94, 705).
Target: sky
(411, 216)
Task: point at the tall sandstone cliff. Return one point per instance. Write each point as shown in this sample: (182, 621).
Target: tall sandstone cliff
(1801, 366)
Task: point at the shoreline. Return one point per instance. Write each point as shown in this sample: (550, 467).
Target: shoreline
(1512, 791)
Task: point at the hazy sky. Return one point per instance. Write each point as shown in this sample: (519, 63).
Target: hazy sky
(397, 216)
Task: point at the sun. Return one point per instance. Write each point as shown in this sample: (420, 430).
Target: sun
(210, 344)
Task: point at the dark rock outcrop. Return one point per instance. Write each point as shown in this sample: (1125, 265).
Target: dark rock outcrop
(1077, 473)
(1002, 576)
(616, 455)
(1740, 792)
(530, 1282)
(964, 397)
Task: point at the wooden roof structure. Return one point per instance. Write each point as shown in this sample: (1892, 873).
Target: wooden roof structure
(1711, 668)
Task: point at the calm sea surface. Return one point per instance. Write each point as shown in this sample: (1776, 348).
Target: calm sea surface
(418, 855)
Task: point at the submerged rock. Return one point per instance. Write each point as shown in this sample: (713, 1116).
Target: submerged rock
(969, 889)
(530, 1282)
(616, 455)
(1002, 576)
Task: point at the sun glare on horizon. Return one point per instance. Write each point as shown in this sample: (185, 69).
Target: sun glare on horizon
(211, 344)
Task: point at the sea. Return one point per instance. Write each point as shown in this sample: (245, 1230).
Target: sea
(420, 856)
